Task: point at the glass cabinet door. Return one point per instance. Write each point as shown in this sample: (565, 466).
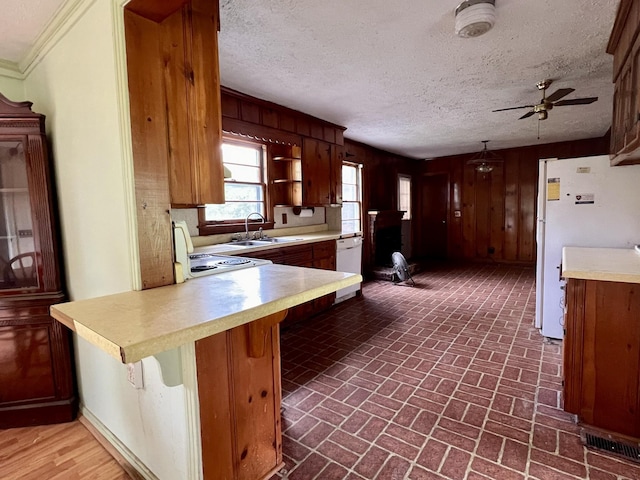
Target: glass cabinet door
(18, 265)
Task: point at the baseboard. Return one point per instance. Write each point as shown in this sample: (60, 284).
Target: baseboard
(43, 413)
(119, 451)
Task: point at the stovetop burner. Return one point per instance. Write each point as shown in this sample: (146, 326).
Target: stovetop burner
(201, 255)
(234, 261)
(202, 268)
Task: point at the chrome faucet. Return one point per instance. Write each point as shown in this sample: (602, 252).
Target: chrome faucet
(246, 223)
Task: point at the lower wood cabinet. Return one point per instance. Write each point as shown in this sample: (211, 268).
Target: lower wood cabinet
(36, 374)
(602, 355)
(314, 255)
(239, 390)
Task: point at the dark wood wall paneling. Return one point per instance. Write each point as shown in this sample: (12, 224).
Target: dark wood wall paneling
(380, 181)
(498, 210)
(253, 117)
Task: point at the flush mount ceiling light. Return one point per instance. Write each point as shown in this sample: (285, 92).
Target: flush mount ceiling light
(475, 17)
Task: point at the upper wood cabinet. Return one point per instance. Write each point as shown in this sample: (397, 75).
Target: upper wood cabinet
(174, 103)
(192, 86)
(321, 173)
(624, 45)
(307, 176)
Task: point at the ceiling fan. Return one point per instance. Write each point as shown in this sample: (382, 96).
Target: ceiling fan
(548, 103)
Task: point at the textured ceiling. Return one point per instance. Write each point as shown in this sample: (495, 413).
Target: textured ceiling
(22, 22)
(398, 78)
(395, 74)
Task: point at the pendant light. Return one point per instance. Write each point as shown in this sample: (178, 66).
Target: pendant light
(484, 159)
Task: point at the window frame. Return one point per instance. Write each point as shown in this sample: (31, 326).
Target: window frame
(360, 193)
(408, 213)
(212, 227)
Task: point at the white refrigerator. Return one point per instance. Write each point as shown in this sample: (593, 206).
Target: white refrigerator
(582, 202)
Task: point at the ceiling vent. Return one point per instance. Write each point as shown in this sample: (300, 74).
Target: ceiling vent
(475, 17)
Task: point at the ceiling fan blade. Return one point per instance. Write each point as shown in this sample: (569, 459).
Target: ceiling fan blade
(527, 115)
(558, 94)
(513, 108)
(576, 101)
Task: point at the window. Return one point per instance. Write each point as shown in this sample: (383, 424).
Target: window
(404, 195)
(244, 191)
(351, 197)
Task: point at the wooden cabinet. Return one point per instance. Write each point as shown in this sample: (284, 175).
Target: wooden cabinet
(313, 255)
(240, 396)
(174, 92)
(601, 351)
(307, 176)
(36, 374)
(316, 172)
(624, 45)
(285, 173)
(192, 86)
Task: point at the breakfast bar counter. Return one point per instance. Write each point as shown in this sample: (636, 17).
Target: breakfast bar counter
(133, 325)
(226, 328)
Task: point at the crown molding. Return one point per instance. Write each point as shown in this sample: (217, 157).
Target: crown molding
(10, 69)
(62, 20)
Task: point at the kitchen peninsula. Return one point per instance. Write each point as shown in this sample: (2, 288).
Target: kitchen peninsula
(230, 320)
(602, 338)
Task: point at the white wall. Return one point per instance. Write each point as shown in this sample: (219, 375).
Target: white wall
(12, 88)
(75, 86)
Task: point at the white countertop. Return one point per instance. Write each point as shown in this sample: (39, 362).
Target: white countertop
(230, 249)
(132, 325)
(608, 264)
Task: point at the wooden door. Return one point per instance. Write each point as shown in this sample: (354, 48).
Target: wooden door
(433, 215)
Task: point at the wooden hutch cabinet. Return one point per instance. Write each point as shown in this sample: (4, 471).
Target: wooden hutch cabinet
(36, 374)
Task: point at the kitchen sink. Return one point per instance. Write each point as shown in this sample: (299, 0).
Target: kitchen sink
(245, 243)
(261, 242)
(278, 240)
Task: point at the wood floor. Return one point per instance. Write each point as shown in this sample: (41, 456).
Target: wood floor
(55, 452)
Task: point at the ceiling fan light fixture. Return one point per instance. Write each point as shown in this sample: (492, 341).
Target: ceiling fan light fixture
(475, 17)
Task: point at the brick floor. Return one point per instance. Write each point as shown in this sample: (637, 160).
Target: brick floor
(445, 380)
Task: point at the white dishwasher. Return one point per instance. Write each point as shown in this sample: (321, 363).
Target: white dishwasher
(348, 259)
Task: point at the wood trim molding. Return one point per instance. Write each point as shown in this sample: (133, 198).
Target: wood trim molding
(192, 408)
(112, 444)
(258, 132)
(10, 70)
(65, 17)
(126, 143)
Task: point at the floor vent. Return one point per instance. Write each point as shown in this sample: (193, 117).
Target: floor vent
(627, 450)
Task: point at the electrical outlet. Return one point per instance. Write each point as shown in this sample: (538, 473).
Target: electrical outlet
(25, 233)
(284, 218)
(134, 374)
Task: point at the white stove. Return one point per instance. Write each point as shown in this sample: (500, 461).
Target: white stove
(193, 265)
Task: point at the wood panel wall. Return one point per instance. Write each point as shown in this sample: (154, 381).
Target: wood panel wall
(253, 117)
(498, 210)
(380, 182)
